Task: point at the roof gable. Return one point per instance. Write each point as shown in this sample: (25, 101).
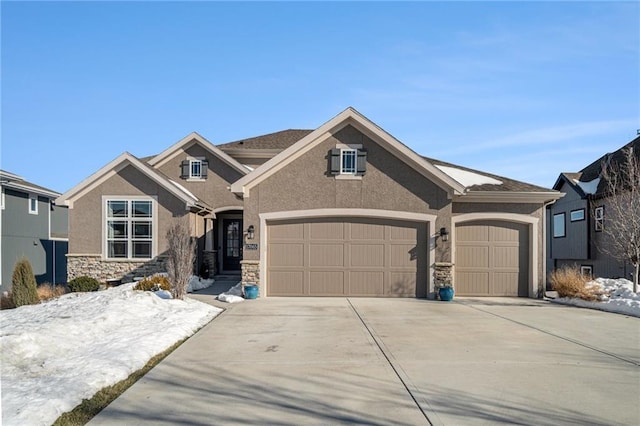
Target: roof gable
(347, 117)
(189, 140)
(123, 160)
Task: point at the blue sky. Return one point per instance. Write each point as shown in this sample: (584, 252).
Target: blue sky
(520, 89)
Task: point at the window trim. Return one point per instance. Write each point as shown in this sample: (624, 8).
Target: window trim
(579, 219)
(130, 219)
(598, 219)
(586, 270)
(352, 152)
(192, 162)
(564, 225)
(32, 197)
(2, 199)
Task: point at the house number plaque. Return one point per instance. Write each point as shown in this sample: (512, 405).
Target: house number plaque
(251, 246)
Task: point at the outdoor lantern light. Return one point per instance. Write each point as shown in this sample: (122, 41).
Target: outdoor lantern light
(250, 232)
(444, 234)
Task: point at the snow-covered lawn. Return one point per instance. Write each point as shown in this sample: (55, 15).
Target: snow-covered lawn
(618, 297)
(56, 353)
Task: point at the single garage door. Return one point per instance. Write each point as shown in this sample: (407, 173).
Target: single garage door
(492, 259)
(347, 257)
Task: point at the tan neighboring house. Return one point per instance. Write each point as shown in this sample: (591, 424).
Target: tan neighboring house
(342, 210)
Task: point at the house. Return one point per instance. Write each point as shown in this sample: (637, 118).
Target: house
(575, 236)
(345, 209)
(32, 227)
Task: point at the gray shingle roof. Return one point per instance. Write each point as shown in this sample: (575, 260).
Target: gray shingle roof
(278, 140)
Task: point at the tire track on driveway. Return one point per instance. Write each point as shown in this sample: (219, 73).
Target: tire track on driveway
(413, 391)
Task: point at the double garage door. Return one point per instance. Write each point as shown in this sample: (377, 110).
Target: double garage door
(492, 259)
(347, 257)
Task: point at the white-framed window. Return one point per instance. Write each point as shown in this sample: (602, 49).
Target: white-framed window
(348, 161)
(2, 199)
(586, 270)
(195, 169)
(129, 228)
(558, 225)
(33, 204)
(598, 217)
(576, 215)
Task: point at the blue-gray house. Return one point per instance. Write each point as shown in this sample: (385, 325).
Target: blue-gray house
(33, 227)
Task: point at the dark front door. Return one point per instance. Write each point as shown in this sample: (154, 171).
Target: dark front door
(231, 244)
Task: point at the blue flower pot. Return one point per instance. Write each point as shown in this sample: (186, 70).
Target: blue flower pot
(250, 291)
(446, 293)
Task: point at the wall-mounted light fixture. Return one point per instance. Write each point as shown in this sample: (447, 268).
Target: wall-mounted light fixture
(444, 234)
(250, 232)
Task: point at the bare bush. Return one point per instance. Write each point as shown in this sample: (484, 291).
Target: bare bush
(180, 256)
(569, 282)
(622, 221)
(49, 291)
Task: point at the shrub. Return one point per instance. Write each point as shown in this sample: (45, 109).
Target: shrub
(83, 284)
(49, 291)
(569, 282)
(24, 284)
(154, 283)
(6, 301)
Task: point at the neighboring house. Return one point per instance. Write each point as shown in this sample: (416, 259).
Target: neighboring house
(575, 236)
(32, 227)
(345, 209)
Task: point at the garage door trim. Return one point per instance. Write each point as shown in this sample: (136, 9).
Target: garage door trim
(351, 213)
(533, 223)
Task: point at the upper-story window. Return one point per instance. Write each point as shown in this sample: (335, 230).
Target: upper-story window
(194, 168)
(558, 225)
(33, 204)
(347, 160)
(598, 217)
(577, 215)
(129, 232)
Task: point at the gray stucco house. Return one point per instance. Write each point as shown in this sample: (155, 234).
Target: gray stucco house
(33, 227)
(345, 209)
(577, 220)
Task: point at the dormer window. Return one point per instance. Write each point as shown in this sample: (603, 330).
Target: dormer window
(347, 161)
(194, 169)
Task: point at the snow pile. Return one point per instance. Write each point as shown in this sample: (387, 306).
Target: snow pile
(467, 178)
(617, 296)
(233, 295)
(197, 283)
(588, 187)
(59, 352)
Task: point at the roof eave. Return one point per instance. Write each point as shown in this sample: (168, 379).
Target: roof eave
(508, 197)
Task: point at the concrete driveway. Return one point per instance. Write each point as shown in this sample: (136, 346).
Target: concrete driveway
(395, 361)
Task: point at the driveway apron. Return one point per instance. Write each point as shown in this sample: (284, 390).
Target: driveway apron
(395, 361)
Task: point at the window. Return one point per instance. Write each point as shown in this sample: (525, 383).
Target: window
(129, 229)
(33, 204)
(586, 270)
(2, 199)
(194, 168)
(348, 158)
(558, 225)
(599, 218)
(576, 215)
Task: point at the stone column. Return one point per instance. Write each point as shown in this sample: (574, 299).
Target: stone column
(250, 272)
(442, 275)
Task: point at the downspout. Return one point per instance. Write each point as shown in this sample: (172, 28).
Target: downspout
(544, 246)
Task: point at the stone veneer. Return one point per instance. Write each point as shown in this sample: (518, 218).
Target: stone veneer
(250, 272)
(442, 275)
(103, 270)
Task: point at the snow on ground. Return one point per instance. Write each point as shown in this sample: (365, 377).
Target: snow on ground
(197, 283)
(233, 295)
(467, 178)
(618, 297)
(56, 353)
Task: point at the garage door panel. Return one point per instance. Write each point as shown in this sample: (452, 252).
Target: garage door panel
(472, 283)
(505, 284)
(401, 283)
(286, 283)
(367, 231)
(347, 257)
(506, 233)
(366, 283)
(475, 233)
(326, 255)
(506, 257)
(326, 283)
(286, 254)
(369, 255)
(473, 257)
(326, 231)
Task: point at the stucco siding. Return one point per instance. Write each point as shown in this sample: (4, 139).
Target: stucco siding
(213, 190)
(86, 216)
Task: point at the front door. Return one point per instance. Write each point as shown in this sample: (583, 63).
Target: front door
(231, 244)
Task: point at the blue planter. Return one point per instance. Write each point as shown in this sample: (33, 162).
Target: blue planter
(446, 293)
(250, 291)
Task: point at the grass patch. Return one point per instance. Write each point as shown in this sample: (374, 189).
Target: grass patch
(89, 408)
(48, 291)
(569, 282)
